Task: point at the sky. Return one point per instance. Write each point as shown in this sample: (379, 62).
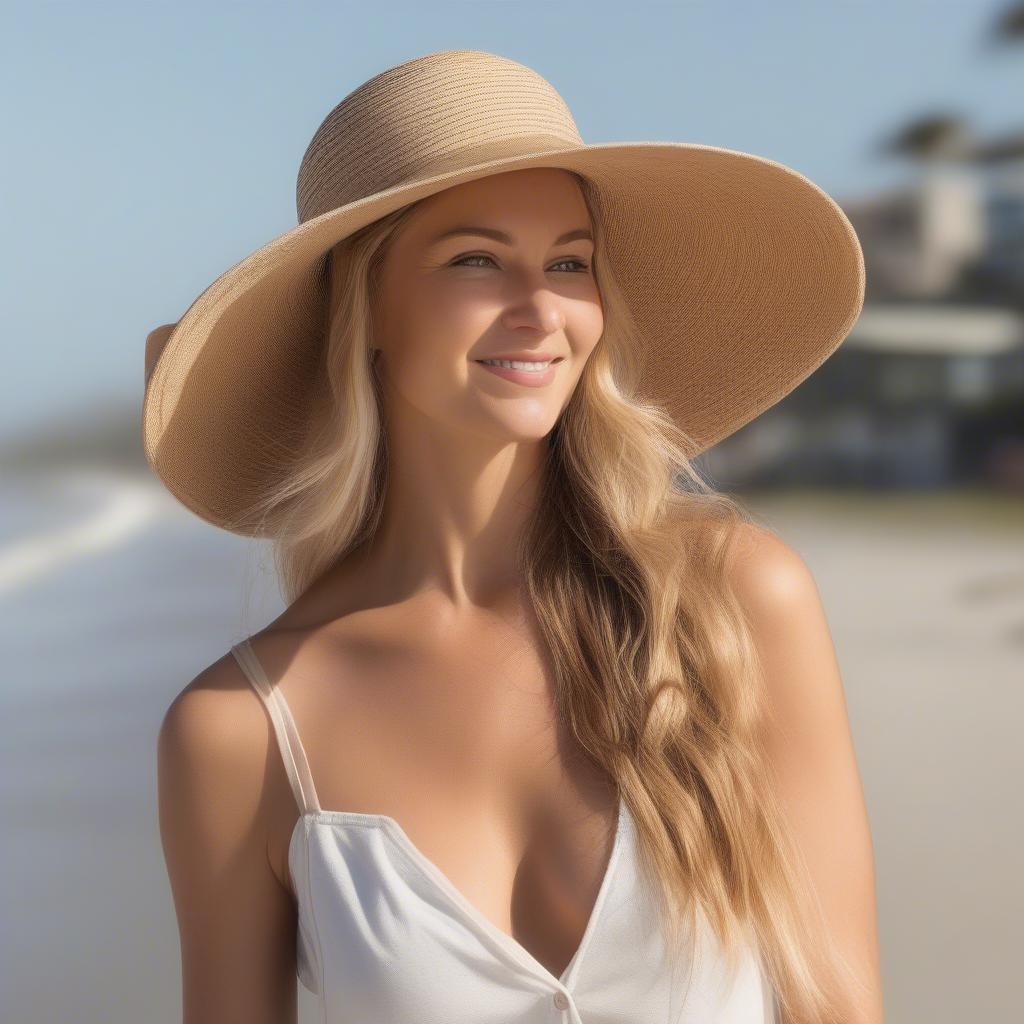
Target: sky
(150, 146)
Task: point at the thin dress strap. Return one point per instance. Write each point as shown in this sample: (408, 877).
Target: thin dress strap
(292, 752)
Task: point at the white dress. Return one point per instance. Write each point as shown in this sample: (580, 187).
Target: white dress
(384, 936)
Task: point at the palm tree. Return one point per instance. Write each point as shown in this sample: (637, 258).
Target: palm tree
(1008, 28)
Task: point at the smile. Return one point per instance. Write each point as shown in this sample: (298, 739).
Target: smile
(515, 364)
(527, 373)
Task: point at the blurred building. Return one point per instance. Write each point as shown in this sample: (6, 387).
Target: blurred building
(998, 270)
(928, 389)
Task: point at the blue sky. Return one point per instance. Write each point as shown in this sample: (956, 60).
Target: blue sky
(151, 146)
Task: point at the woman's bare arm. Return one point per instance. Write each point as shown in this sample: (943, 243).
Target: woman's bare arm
(811, 750)
(236, 920)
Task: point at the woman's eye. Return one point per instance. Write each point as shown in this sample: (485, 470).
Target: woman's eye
(461, 261)
(579, 263)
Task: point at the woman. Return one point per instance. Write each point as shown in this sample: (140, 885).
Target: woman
(548, 730)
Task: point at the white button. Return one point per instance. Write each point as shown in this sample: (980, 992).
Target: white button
(561, 1001)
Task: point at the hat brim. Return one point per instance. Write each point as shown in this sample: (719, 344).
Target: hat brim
(741, 272)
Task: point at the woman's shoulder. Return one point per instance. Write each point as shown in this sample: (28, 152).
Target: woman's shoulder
(213, 738)
(231, 902)
(220, 779)
(765, 570)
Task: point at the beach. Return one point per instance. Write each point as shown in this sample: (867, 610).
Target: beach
(115, 597)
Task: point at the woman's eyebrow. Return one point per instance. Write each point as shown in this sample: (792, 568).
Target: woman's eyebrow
(500, 236)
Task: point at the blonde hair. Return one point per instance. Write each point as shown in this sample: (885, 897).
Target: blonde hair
(625, 562)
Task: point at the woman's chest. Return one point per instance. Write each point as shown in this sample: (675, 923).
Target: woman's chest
(458, 712)
(459, 744)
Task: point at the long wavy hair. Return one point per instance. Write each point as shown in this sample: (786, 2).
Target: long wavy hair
(626, 564)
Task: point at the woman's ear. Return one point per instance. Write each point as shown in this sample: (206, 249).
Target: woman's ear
(155, 341)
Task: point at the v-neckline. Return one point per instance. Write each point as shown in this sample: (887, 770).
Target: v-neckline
(429, 869)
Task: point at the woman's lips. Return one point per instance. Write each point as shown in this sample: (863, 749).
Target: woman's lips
(528, 378)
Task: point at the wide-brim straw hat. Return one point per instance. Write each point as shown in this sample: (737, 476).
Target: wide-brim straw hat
(741, 274)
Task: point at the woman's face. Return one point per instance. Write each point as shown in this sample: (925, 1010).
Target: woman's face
(448, 300)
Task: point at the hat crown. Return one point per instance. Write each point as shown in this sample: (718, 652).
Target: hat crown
(427, 116)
